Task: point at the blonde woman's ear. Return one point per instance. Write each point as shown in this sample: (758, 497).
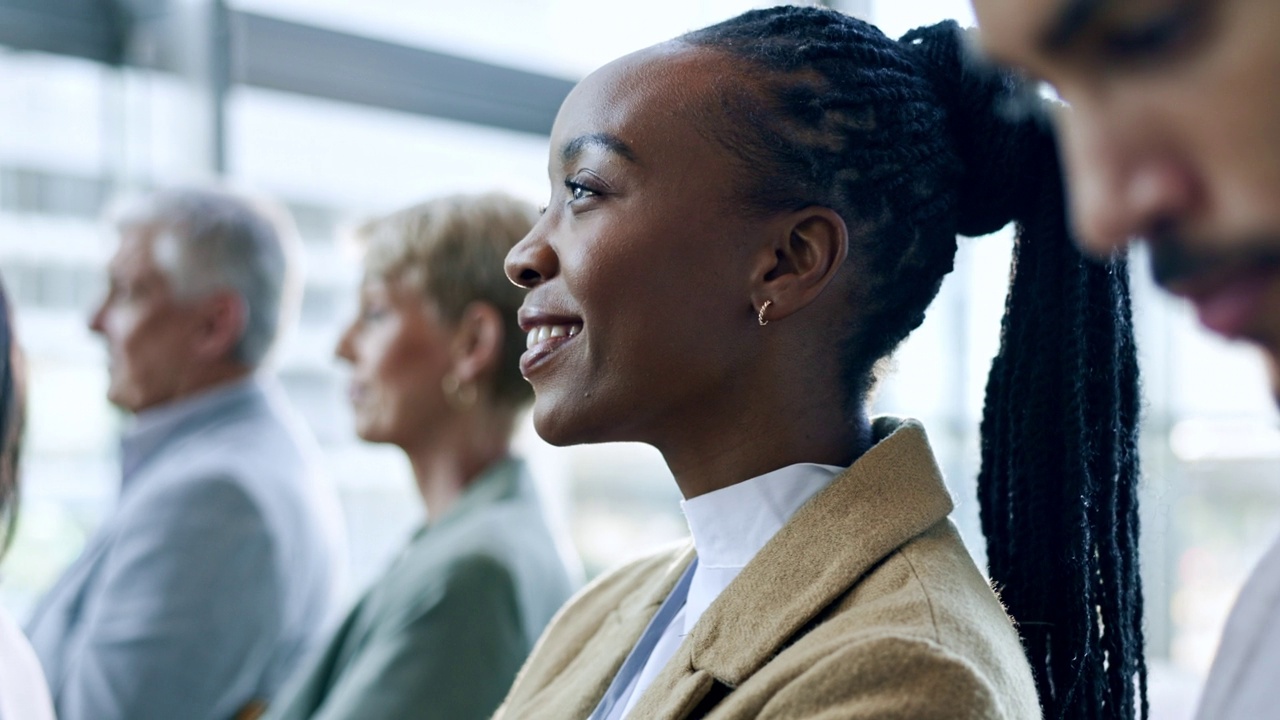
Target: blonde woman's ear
(477, 341)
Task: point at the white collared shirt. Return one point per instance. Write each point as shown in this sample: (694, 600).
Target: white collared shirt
(729, 527)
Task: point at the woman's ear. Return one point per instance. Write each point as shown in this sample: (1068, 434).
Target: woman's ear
(810, 247)
(477, 341)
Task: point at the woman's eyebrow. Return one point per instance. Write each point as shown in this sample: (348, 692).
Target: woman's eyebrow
(606, 141)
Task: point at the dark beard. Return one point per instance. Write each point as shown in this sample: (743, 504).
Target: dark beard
(1176, 260)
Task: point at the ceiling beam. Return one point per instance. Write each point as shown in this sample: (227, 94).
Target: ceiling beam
(278, 54)
(88, 29)
(284, 55)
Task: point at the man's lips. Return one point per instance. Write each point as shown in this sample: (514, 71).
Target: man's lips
(1229, 282)
(1228, 303)
(355, 393)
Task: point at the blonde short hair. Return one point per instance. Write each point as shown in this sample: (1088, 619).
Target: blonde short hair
(452, 250)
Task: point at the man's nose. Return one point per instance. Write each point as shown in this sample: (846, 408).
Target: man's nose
(1122, 182)
(345, 348)
(96, 319)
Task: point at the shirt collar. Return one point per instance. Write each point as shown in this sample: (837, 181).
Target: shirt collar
(731, 525)
(152, 427)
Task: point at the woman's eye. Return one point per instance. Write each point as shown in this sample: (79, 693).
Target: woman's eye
(578, 191)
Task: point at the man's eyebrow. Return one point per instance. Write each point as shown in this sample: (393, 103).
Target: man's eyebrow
(607, 141)
(1072, 20)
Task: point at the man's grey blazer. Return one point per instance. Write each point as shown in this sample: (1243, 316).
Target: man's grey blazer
(213, 577)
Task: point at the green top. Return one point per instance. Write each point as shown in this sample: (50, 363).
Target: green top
(442, 633)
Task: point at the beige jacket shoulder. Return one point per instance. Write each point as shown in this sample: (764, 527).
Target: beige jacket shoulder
(865, 605)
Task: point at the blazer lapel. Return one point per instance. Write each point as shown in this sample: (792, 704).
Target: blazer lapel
(58, 612)
(591, 670)
(893, 493)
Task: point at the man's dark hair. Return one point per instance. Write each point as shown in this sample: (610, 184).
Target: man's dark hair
(913, 143)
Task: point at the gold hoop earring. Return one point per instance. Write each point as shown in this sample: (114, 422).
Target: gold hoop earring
(760, 318)
(459, 394)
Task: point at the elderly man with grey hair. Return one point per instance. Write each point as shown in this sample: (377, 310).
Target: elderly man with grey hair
(213, 576)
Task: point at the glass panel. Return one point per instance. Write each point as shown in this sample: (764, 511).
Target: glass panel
(55, 150)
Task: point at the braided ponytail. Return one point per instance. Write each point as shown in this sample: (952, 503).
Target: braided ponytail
(1058, 485)
(910, 143)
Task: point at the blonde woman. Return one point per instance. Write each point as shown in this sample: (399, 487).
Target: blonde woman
(434, 354)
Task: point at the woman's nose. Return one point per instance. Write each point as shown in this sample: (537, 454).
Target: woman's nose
(532, 261)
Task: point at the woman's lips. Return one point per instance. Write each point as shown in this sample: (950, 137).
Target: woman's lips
(542, 333)
(543, 340)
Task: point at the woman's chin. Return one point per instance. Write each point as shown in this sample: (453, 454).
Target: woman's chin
(563, 425)
(551, 430)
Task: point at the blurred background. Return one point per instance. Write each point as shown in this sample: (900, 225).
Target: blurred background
(344, 109)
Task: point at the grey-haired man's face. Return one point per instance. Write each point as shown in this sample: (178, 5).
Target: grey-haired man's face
(148, 331)
(1171, 135)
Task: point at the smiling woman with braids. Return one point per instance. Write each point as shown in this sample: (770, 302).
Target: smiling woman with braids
(744, 221)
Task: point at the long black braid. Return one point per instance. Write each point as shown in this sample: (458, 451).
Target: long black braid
(912, 142)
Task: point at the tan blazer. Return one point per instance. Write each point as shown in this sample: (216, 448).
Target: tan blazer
(865, 605)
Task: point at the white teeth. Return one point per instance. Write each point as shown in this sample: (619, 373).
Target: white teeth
(546, 332)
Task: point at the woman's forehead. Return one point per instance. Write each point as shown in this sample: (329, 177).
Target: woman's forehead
(665, 88)
(667, 80)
